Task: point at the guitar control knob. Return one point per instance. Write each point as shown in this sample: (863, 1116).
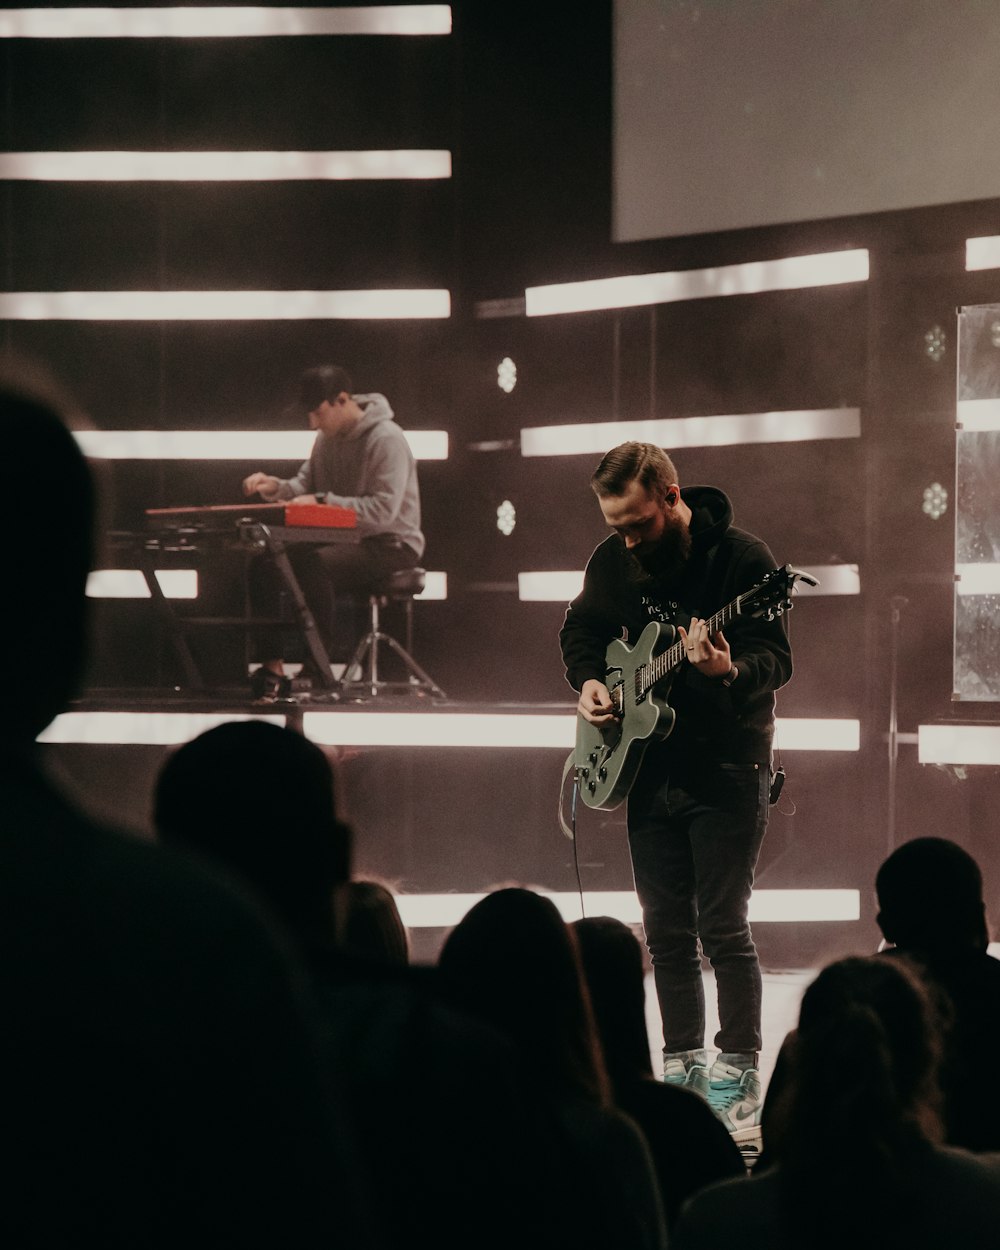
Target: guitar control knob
(592, 757)
(591, 786)
(602, 774)
(584, 773)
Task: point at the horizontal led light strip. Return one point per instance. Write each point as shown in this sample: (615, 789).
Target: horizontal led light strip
(430, 911)
(218, 22)
(130, 584)
(444, 729)
(958, 744)
(524, 730)
(817, 734)
(183, 584)
(265, 445)
(983, 253)
(794, 426)
(411, 729)
(825, 269)
(221, 166)
(978, 414)
(223, 305)
(561, 586)
(977, 579)
(138, 728)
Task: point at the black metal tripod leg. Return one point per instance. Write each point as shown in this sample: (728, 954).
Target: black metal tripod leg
(413, 666)
(171, 622)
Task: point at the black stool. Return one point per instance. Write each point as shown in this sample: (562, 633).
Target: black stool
(399, 587)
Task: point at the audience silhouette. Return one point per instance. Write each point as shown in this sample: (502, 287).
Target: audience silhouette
(160, 1084)
(857, 1159)
(373, 926)
(689, 1145)
(930, 897)
(513, 962)
(447, 1148)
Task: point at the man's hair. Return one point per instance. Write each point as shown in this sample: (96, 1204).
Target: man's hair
(323, 382)
(629, 462)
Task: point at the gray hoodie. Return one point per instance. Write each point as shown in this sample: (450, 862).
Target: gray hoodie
(370, 469)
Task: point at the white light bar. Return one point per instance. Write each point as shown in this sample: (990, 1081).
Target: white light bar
(130, 584)
(977, 579)
(833, 579)
(440, 729)
(549, 587)
(432, 911)
(264, 445)
(815, 734)
(183, 584)
(978, 414)
(138, 728)
(824, 269)
(463, 729)
(221, 166)
(394, 729)
(435, 586)
(958, 744)
(216, 22)
(983, 253)
(223, 305)
(793, 426)
(560, 587)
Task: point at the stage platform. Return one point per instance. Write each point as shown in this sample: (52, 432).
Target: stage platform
(447, 800)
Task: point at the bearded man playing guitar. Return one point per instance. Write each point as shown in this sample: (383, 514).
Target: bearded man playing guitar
(697, 807)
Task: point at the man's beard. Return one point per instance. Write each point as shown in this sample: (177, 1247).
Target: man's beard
(663, 560)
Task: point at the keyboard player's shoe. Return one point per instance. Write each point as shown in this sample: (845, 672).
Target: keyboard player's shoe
(267, 686)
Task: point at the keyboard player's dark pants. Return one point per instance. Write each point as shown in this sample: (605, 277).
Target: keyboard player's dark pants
(336, 581)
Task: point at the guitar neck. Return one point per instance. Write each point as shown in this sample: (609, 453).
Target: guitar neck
(673, 657)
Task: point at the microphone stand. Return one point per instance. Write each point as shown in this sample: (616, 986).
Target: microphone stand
(896, 605)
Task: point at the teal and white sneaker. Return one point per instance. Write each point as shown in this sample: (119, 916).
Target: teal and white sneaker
(687, 1069)
(734, 1094)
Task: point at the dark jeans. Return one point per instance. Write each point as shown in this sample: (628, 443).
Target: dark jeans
(695, 835)
(336, 581)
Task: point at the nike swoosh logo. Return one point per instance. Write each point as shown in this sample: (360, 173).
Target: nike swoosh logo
(744, 1115)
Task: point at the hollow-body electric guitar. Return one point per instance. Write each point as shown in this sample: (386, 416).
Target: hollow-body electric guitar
(606, 758)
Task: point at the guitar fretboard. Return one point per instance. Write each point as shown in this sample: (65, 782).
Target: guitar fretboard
(647, 675)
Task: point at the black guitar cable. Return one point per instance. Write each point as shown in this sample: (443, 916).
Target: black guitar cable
(570, 829)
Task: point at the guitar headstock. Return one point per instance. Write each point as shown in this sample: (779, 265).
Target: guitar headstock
(772, 596)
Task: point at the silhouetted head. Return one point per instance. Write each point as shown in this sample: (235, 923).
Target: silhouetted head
(930, 897)
(259, 800)
(612, 967)
(372, 926)
(512, 962)
(857, 1105)
(50, 503)
(868, 1026)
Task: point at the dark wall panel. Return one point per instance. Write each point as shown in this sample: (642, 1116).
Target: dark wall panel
(228, 235)
(259, 93)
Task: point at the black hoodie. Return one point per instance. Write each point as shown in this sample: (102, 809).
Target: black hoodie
(735, 722)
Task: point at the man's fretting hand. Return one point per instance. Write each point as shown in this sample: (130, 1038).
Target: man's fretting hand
(709, 654)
